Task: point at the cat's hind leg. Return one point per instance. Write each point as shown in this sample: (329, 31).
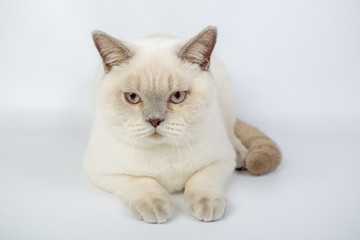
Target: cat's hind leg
(241, 150)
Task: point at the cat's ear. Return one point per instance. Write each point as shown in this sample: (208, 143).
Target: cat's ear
(198, 50)
(112, 51)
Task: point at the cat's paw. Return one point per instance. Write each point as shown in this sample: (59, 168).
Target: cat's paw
(240, 159)
(152, 209)
(241, 154)
(206, 207)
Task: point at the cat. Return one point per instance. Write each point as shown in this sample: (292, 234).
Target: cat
(164, 121)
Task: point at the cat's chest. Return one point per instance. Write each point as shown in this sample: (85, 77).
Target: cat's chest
(161, 159)
(171, 166)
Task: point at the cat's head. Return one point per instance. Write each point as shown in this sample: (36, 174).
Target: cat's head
(156, 89)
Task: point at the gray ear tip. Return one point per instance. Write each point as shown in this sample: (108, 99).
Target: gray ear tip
(96, 33)
(211, 28)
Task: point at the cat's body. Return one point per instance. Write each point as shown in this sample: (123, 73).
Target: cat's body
(164, 121)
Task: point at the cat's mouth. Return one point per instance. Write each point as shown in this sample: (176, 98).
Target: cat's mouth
(156, 135)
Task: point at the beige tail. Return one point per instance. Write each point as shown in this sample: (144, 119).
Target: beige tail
(264, 155)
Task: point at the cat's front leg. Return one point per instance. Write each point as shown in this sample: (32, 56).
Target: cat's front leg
(145, 197)
(204, 191)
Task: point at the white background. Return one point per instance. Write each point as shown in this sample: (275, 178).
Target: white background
(295, 66)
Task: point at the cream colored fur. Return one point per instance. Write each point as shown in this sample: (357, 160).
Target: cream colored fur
(195, 147)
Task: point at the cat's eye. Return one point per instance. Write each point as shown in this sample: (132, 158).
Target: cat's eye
(132, 97)
(178, 97)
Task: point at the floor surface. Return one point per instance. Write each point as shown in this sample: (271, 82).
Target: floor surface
(314, 194)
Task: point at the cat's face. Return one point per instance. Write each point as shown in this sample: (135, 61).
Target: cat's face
(157, 96)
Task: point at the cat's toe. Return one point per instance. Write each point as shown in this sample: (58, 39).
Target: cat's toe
(152, 209)
(207, 207)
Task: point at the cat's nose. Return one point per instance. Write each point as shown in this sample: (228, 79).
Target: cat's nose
(155, 121)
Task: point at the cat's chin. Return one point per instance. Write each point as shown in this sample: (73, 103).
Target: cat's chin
(156, 136)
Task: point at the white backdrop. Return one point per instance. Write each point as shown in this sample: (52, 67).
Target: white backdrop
(295, 64)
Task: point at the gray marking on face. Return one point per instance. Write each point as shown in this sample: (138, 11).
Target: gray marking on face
(155, 106)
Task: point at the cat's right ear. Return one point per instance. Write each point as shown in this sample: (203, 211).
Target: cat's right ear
(112, 51)
(198, 50)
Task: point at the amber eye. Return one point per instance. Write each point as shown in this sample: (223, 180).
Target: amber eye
(178, 97)
(132, 97)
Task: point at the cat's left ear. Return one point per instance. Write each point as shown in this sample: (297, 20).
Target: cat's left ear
(112, 51)
(198, 50)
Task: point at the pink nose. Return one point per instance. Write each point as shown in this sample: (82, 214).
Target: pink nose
(155, 121)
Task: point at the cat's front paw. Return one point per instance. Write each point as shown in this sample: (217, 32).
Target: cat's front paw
(206, 207)
(152, 209)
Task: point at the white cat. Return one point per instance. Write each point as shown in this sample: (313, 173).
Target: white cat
(164, 121)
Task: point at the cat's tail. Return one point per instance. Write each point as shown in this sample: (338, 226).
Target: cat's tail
(264, 155)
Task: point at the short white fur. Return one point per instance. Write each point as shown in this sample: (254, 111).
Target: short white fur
(195, 146)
